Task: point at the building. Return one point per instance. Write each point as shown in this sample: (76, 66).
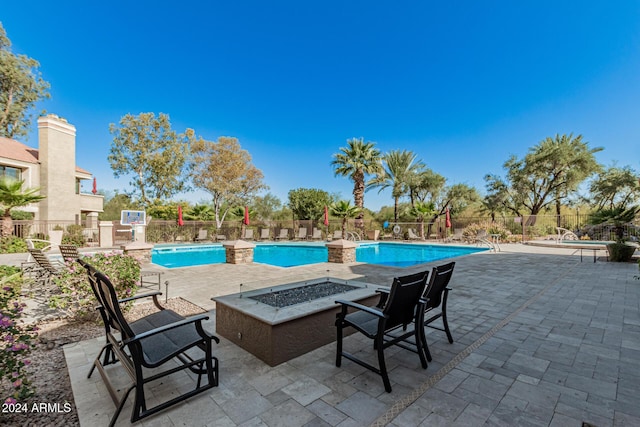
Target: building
(52, 168)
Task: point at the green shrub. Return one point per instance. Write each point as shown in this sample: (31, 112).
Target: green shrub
(73, 235)
(76, 296)
(16, 340)
(12, 245)
(471, 231)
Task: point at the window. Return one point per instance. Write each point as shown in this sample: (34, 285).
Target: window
(10, 172)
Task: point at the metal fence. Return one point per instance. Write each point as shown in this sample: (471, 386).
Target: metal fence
(162, 231)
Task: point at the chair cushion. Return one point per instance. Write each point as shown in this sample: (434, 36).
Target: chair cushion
(163, 346)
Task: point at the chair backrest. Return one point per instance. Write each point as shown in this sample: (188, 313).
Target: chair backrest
(69, 252)
(440, 277)
(317, 233)
(404, 297)
(42, 260)
(248, 233)
(202, 234)
(109, 301)
(482, 234)
(302, 233)
(264, 233)
(284, 232)
(337, 234)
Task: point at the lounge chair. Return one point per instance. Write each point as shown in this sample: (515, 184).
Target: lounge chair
(386, 324)
(302, 234)
(413, 235)
(148, 344)
(203, 235)
(337, 234)
(317, 234)
(69, 252)
(46, 269)
(220, 237)
(456, 236)
(265, 234)
(248, 234)
(284, 234)
(564, 234)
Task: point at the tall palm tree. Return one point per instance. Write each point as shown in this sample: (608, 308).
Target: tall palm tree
(12, 195)
(357, 160)
(343, 209)
(399, 169)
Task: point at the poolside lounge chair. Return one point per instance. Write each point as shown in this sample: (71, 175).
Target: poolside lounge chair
(317, 234)
(203, 235)
(284, 234)
(413, 235)
(145, 346)
(302, 234)
(69, 252)
(386, 324)
(220, 237)
(456, 236)
(337, 234)
(265, 234)
(248, 234)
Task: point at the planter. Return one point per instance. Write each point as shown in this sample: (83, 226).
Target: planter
(620, 252)
(55, 236)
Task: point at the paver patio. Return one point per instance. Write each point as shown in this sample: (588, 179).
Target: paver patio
(540, 339)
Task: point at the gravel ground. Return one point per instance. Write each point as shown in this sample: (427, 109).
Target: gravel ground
(49, 369)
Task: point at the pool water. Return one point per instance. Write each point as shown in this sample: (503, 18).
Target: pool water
(282, 255)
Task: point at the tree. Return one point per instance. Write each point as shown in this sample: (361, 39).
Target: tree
(265, 206)
(615, 188)
(420, 211)
(308, 203)
(399, 169)
(21, 86)
(199, 213)
(548, 173)
(12, 195)
(115, 205)
(147, 147)
(224, 170)
(343, 209)
(357, 160)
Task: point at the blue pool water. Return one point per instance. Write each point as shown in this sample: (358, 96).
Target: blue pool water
(389, 254)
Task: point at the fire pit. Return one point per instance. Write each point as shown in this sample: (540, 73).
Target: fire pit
(282, 322)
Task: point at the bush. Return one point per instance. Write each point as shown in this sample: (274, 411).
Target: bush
(73, 235)
(16, 340)
(12, 245)
(471, 231)
(76, 296)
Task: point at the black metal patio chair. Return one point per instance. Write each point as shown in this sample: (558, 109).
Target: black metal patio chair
(148, 343)
(397, 309)
(435, 301)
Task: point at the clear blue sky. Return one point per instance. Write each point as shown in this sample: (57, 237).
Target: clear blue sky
(462, 84)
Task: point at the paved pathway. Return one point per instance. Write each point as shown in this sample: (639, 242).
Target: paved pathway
(541, 339)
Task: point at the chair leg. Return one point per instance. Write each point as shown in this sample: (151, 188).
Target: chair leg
(381, 363)
(444, 317)
(339, 343)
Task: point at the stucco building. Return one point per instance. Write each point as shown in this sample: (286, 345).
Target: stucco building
(52, 167)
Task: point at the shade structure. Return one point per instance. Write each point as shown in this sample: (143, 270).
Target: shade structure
(326, 216)
(246, 215)
(180, 220)
(94, 190)
(447, 222)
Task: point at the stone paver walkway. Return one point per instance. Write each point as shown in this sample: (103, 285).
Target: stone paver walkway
(541, 339)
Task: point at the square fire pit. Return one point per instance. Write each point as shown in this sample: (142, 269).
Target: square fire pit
(282, 322)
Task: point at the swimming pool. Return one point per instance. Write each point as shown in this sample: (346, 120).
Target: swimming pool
(283, 255)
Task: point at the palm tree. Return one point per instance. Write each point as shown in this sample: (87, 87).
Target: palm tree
(356, 161)
(343, 209)
(398, 173)
(12, 195)
(422, 210)
(200, 213)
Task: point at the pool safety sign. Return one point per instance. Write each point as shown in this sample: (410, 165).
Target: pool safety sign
(132, 218)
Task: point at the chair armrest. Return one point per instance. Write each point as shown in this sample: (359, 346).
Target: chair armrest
(370, 310)
(133, 298)
(193, 319)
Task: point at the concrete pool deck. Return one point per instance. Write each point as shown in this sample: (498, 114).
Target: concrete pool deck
(540, 339)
